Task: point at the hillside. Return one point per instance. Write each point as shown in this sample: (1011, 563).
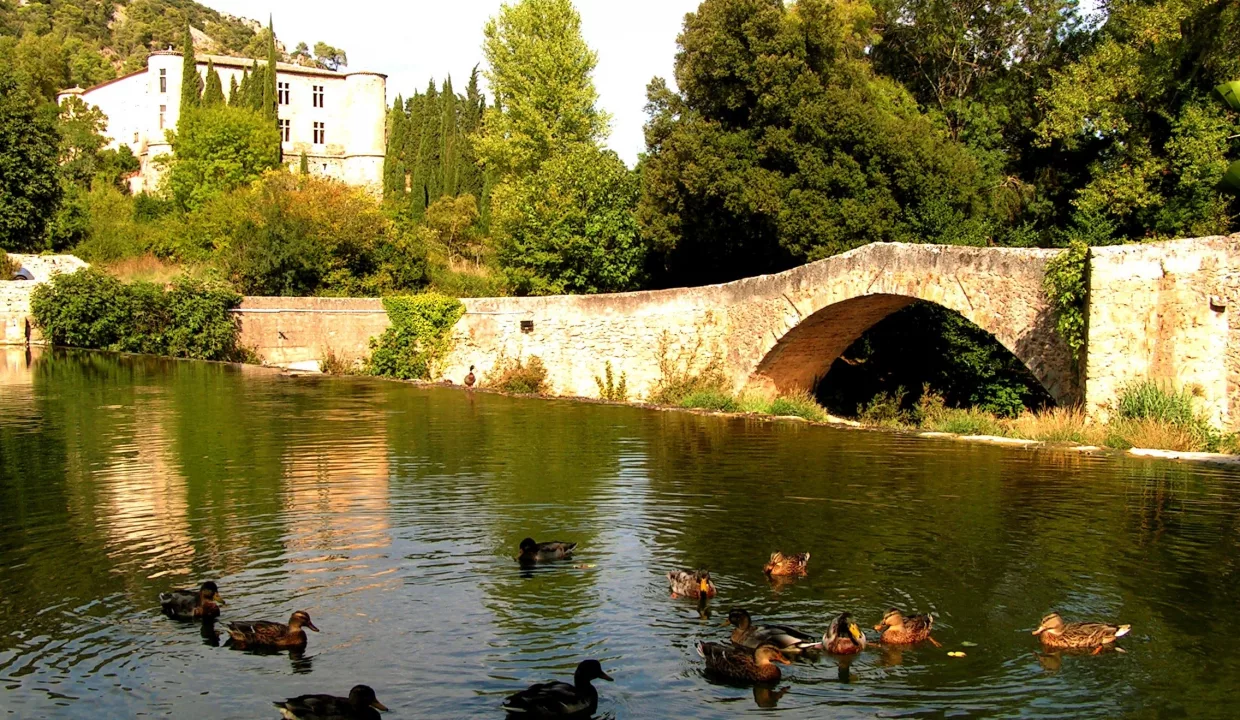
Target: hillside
(61, 43)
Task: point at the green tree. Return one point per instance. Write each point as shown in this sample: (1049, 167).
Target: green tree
(330, 57)
(303, 166)
(1139, 112)
(81, 129)
(783, 146)
(270, 110)
(543, 97)
(30, 190)
(191, 81)
(217, 149)
(569, 227)
(213, 95)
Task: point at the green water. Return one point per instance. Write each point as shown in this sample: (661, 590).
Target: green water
(392, 513)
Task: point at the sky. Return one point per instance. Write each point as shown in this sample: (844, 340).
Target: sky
(412, 41)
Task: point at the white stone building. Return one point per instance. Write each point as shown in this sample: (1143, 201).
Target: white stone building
(336, 119)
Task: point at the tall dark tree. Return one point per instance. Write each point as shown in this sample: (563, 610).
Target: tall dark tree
(30, 189)
(191, 81)
(213, 94)
(270, 108)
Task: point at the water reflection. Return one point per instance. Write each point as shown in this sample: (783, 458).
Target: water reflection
(392, 514)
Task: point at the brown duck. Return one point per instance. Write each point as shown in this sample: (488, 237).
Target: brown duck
(470, 379)
(266, 634)
(691, 583)
(1055, 633)
(900, 629)
(781, 565)
(189, 604)
(742, 665)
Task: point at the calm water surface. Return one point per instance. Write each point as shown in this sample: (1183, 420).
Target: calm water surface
(391, 513)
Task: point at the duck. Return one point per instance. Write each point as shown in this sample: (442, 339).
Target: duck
(189, 604)
(559, 699)
(843, 637)
(470, 379)
(1055, 633)
(535, 552)
(748, 635)
(691, 583)
(785, 565)
(900, 629)
(742, 665)
(361, 704)
(266, 634)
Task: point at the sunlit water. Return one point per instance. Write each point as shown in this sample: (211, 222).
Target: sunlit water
(392, 513)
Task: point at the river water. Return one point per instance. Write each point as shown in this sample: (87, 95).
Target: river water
(391, 513)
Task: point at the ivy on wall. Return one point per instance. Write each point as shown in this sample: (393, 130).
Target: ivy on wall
(1066, 288)
(419, 338)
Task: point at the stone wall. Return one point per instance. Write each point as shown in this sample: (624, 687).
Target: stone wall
(1166, 311)
(15, 294)
(283, 331)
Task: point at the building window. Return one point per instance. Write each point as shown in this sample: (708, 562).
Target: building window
(163, 80)
(135, 138)
(286, 129)
(318, 96)
(282, 92)
(320, 134)
(162, 110)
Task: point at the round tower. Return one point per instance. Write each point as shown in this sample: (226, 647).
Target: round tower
(365, 140)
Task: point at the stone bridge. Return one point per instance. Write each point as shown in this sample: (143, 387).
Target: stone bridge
(1162, 311)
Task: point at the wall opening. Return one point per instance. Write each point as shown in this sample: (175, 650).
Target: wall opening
(924, 345)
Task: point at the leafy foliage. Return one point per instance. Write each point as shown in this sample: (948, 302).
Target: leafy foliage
(30, 190)
(91, 309)
(1066, 287)
(569, 226)
(611, 389)
(217, 149)
(687, 371)
(418, 339)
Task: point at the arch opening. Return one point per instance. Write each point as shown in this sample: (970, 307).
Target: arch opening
(885, 346)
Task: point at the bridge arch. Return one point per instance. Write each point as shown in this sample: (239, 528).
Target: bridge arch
(830, 304)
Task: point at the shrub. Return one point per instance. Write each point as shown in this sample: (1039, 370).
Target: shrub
(1125, 433)
(418, 339)
(685, 373)
(513, 376)
(608, 388)
(961, 421)
(1151, 412)
(884, 409)
(710, 399)
(91, 309)
(216, 150)
(8, 266)
(333, 364)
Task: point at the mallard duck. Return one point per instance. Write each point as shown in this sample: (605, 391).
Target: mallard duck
(900, 629)
(559, 699)
(783, 565)
(470, 379)
(746, 634)
(361, 703)
(691, 583)
(1055, 633)
(843, 637)
(741, 664)
(535, 552)
(262, 633)
(200, 604)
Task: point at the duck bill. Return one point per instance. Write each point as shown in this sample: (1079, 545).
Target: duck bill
(880, 627)
(379, 706)
(704, 587)
(311, 626)
(604, 676)
(855, 632)
(1039, 631)
(782, 660)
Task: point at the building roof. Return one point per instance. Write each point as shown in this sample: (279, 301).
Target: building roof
(229, 61)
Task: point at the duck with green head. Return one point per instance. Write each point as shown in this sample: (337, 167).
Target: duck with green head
(746, 634)
(844, 636)
(536, 552)
(360, 705)
(188, 604)
(560, 699)
(691, 583)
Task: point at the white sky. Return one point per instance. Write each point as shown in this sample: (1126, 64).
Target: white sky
(414, 40)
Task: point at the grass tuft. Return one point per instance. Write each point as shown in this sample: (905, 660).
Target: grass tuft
(520, 378)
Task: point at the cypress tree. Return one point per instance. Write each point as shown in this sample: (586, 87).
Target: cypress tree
(213, 95)
(269, 85)
(469, 174)
(232, 91)
(191, 82)
(304, 166)
(448, 140)
(394, 165)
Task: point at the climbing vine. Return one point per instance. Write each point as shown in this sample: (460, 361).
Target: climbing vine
(419, 338)
(1065, 285)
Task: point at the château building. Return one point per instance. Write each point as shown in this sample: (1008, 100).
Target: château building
(336, 119)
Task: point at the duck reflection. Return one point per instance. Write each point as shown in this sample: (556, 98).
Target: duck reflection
(1052, 660)
(768, 697)
(210, 636)
(299, 661)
